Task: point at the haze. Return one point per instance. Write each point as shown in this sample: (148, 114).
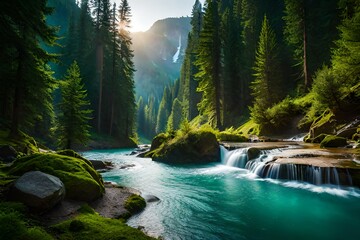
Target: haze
(145, 12)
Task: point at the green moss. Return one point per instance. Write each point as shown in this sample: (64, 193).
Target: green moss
(324, 118)
(82, 182)
(249, 128)
(194, 147)
(71, 153)
(230, 137)
(85, 208)
(14, 224)
(331, 141)
(135, 204)
(22, 143)
(96, 227)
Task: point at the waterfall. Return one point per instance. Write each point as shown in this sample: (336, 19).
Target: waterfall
(237, 158)
(265, 167)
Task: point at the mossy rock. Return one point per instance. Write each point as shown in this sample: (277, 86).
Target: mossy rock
(72, 153)
(135, 204)
(230, 137)
(95, 227)
(194, 147)
(82, 182)
(22, 143)
(331, 141)
(319, 138)
(159, 140)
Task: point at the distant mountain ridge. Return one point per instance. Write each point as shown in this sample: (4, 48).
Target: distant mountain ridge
(154, 51)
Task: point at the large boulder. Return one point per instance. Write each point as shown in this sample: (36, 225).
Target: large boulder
(7, 153)
(331, 141)
(193, 147)
(82, 181)
(38, 190)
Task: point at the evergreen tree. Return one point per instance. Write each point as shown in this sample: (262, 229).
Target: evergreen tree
(25, 78)
(141, 120)
(310, 29)
(73, 121)
(176, 116)
(164, 111)
(209, 64)
(346, 57)
(265, 88)
(127, 70)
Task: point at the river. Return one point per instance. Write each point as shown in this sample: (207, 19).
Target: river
(214, 201)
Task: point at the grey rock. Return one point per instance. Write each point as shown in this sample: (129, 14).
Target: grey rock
(38, 190)
(151, 198)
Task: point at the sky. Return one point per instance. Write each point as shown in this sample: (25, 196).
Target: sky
(146, 12)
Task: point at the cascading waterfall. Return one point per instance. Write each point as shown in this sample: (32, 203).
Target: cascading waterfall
(265, 167)
(237, 158)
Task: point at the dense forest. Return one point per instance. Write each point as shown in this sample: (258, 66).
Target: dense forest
(280, 63)
(68, 71)
(94, 97)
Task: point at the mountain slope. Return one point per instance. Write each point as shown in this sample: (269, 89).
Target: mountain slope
(154, 51)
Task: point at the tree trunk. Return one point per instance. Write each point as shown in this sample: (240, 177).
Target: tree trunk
(99, 72)
(306, 74)
(18, 94)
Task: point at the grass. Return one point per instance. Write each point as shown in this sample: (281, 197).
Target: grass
(249, 128)
(82, 182)
(92, 226)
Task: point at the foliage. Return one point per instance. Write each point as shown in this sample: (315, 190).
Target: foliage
(266, 86)
(331, 141)
(135, 204)
(15, 225)
(249, 128)
(73, 120)
(327, 88)
(81, 180)
(208, 62)
(97, 228)
(176, 116)
(25, 77)
(23, 143)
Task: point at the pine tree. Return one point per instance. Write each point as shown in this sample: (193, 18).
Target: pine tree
(164, 111)
(346, 57)
(25, 78)
(265, 87)
(310, 29)
(176, 116)
(209, 63)
(127, 70)
(73, 121)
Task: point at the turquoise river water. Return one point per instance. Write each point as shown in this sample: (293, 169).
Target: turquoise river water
(214, 201)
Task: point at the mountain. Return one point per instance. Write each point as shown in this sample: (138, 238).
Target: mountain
(156, 52)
